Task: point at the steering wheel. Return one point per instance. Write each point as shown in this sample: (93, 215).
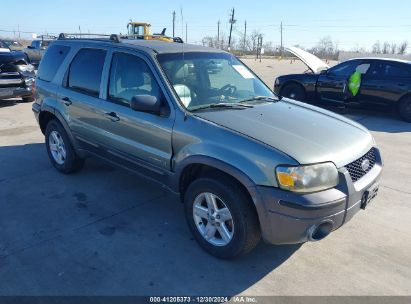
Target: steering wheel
(228, 90)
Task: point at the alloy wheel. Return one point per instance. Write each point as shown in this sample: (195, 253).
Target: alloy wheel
(57, 147)
(213, 219)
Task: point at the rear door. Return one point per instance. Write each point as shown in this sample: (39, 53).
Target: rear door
(332, 84)
(386, 82)
(80, 94)
(137, 137)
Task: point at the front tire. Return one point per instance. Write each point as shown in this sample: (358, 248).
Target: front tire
(27, 99)
(221, 217)
(294, 91)
(405, 109)
(59, 149)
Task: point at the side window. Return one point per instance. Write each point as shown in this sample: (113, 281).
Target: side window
(344, 69)
(395, 70)
(130, 76)
(44, 43)
(85, 71)
(52, 61)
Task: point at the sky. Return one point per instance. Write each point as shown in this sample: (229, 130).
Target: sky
(351, 24)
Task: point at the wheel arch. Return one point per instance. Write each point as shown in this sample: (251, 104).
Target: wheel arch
(196, 166)
(403, 97)
(293, 82)
(46, 115)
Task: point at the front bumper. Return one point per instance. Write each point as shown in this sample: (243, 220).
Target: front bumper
(288, 217)
(14, 85)
(6, 93)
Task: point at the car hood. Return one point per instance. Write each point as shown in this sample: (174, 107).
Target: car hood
(306, 133)
(313, 62)
(11, 56)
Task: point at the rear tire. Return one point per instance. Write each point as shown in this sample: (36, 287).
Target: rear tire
(293, 91)
(59, 149)
(404, 109)
(241, 230)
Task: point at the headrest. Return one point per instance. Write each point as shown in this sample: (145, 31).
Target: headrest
(184, 93)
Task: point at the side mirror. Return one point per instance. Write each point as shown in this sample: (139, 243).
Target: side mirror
(148, 104)
(324, 72)
(30, 47)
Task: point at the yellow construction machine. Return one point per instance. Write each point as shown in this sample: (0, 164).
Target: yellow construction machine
(141, 30)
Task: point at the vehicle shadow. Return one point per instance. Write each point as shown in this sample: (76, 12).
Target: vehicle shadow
(375, 120)
(107, 232)
(8, 103)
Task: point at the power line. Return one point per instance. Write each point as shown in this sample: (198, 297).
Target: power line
(232, 21)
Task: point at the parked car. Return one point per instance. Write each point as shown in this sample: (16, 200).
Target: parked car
(36, 50)
(16, 74)
(244, 162)
(384, 82)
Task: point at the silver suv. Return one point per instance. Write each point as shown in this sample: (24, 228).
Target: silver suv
(245, 163)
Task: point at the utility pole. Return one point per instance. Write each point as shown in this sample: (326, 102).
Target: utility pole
(232, 21)
(245, 34)
(186, 33)
(218, 34)
(174, 21)
(281, 31)
(18, 29)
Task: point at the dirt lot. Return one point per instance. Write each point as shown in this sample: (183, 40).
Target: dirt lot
(104, 231)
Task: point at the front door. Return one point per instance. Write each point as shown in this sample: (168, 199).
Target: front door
(334, 86)
(138, 137)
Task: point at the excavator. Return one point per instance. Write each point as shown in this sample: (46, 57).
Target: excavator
(141, 30)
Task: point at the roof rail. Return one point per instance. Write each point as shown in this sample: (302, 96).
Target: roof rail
(88, 36)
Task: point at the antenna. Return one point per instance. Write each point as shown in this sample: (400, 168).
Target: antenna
(182, 45)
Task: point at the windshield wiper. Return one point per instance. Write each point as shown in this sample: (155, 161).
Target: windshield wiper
(223, 105)
(266, 98)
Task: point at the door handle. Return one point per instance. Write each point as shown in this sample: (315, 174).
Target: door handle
(67, 101)
(112, 116)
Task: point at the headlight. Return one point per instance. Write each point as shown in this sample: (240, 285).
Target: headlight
(308, 178)
(25, 67)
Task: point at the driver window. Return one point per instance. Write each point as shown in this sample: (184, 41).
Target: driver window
(344, 69)
(130, 76)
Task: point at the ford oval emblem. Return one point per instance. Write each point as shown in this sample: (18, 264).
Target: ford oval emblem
(365, 165)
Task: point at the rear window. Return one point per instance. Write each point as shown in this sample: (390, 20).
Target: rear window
(85, 71)
(52, 61)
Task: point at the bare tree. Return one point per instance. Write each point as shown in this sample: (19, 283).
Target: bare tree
(393, 48)
(376, 48)
(253, 38)
(326, 48)
(386, 48)
(402, 48)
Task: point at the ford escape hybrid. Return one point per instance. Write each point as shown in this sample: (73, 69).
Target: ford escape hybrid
(245, 163)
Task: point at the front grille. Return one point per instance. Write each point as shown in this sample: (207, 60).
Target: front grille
(355, 168)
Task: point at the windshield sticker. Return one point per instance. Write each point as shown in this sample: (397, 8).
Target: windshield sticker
(242, 70)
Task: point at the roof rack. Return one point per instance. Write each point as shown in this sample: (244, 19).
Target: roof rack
(88, 36)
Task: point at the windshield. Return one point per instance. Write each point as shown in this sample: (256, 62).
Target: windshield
(3, 45)
(203, 79)
(12, 44)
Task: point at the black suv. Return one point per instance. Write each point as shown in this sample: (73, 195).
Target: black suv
(17, 75)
